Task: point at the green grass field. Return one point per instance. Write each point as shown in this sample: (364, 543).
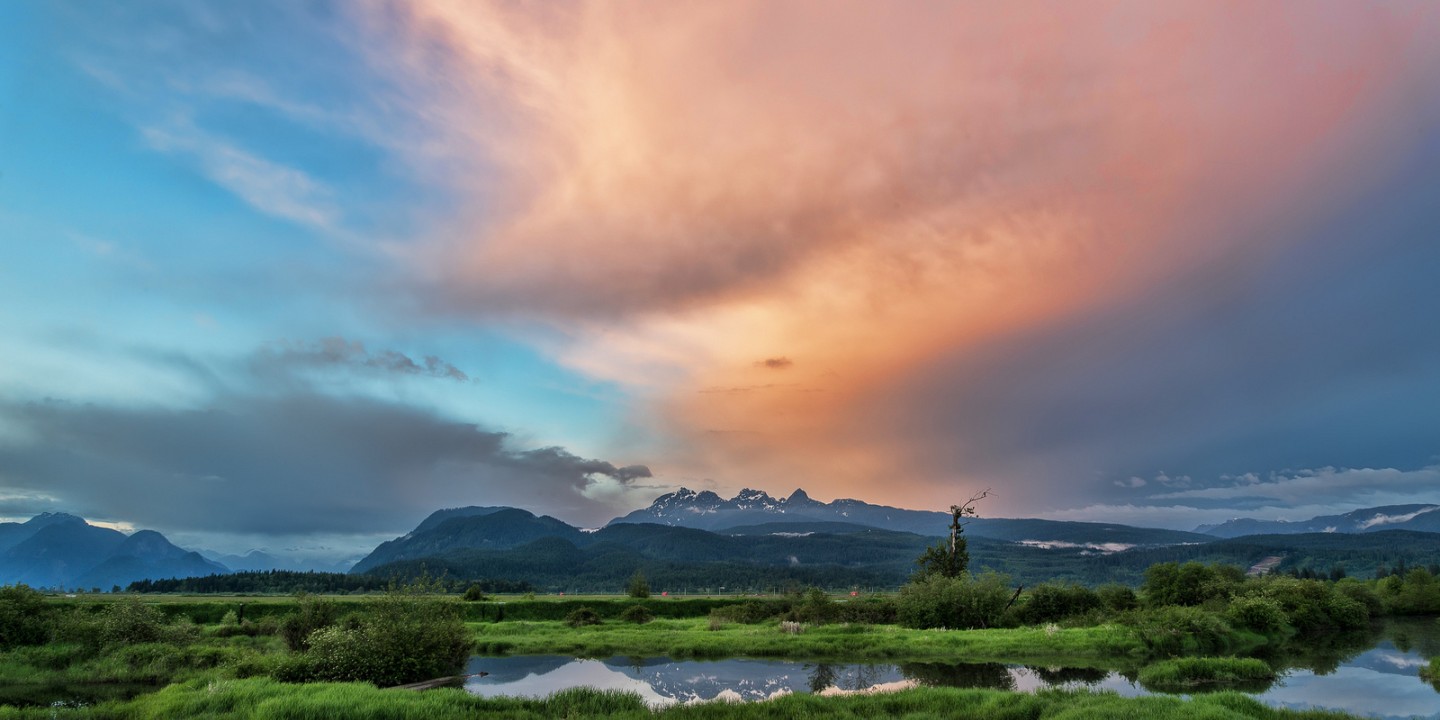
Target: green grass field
(263, 699)
(696, 638)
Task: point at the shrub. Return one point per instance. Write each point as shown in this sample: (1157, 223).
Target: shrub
(749, 612)
(637, 614)
(1316, 605)
(1260, 614)
(1117, 598)
(815, 607)
(24, 617)
(582, 616)
(964, 602)
(474, 594)
(868, 611)
(1189, 584)
(1361, 593)
(1173, 630)
(639, 587)
(313, 614)
(406, 637)
(1049, 602)
(129, 622)
(1345, 613)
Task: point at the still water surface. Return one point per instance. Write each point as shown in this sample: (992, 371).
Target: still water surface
(1374, 675)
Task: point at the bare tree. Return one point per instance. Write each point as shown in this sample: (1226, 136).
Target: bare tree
(951, 561)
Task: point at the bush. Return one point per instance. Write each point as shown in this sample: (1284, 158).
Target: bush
(474, 594)
(749, 612)
(1361, 593)
(1049, 602)
(1189, 584)
(313, 614)
(639, 588)
(815, 607)
(129, 622)
(1260, 614)
(1117, 598)
(582, 616)
(1174, 630)
(964, 602)
(406, 637)
(637, 614)
(869, 611)
(25, 619)
(1315, 605)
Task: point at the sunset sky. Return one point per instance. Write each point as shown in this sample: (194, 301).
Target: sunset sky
(295, 274)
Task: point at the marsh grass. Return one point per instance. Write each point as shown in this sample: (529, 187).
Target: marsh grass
(696, 638)
(261, 699)
(1189, 674)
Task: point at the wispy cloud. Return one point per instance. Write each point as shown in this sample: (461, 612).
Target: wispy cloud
(337, 352)
(1356, 486)
(272, 188)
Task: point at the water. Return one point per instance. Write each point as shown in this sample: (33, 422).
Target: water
(1372, 674)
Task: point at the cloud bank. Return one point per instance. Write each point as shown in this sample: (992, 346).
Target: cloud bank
(972, 221)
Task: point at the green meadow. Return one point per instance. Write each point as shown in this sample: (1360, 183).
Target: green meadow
(1201, 631)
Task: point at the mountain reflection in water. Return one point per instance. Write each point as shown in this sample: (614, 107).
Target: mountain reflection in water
(1372, 673)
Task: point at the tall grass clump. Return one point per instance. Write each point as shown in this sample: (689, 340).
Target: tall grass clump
(1430, 672)
(1186, 674)
(582, 616)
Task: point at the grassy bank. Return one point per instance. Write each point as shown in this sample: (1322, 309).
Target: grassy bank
(1190, 674)
(696, 638)
(261, 699)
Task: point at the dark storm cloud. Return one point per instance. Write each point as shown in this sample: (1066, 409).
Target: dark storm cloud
(1326, 355)
(302, 463)
(337, 352)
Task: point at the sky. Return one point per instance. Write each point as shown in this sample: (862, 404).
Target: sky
(292, 275)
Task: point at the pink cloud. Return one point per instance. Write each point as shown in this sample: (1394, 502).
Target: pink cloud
(683, 188)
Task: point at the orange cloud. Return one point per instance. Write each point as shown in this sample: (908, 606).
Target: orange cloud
(683, 188)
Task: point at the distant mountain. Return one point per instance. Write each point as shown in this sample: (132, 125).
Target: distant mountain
(146, 554)
(55, 550)
(674, 558)
(1419, 518)
(750, 508)
(468, 528)
(12, 534)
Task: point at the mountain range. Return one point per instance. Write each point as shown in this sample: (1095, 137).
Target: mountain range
(750, 540)
(1420, 518)
(689, 538)
(56, 550)
(708, 511)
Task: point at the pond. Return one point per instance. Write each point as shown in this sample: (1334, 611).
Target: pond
(1372, 674)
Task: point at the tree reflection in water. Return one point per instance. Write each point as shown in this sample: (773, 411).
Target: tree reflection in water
(1064, 675)
(966, 675)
